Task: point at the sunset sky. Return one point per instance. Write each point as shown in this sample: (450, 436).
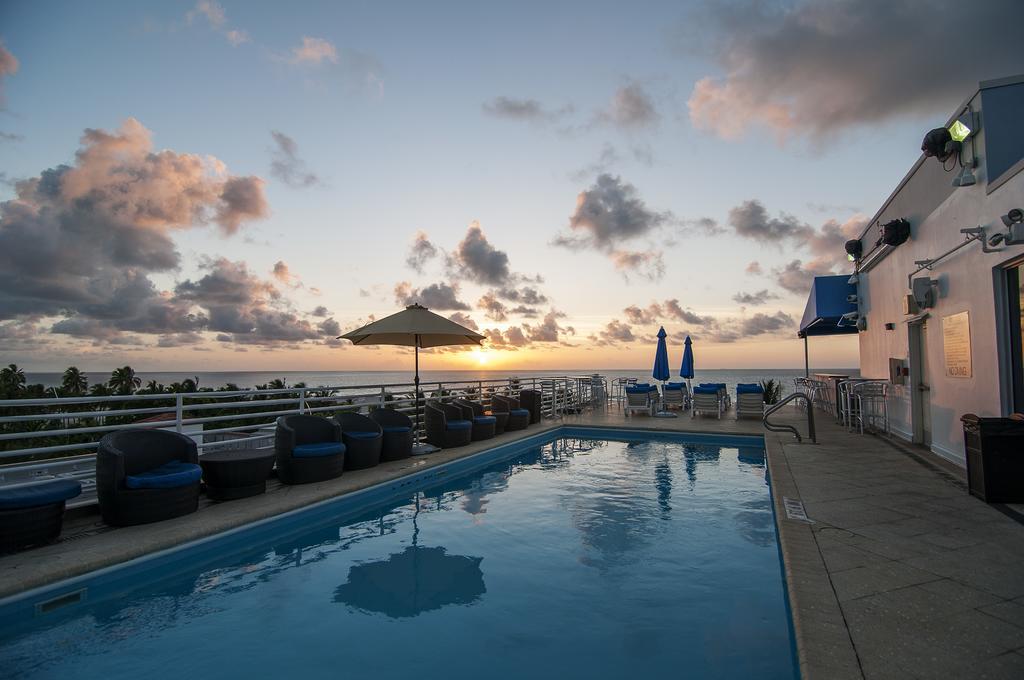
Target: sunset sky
(229, 185)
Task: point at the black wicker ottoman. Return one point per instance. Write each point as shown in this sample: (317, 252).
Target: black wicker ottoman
(32, 514)
(398, 434)
(500, 420)
(236, 473)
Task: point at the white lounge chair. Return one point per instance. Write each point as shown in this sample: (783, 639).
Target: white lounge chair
(749, 401)
(676, 395)
(639, 399)
(706, 401)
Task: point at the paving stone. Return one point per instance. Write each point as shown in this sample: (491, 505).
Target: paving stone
(1009, 611)
(879, 578)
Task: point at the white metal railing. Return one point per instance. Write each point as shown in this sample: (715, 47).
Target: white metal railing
(52, 437)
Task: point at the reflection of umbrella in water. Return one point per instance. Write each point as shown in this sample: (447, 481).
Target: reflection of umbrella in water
(413, 581)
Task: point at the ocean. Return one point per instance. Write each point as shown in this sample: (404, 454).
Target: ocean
(249, 379)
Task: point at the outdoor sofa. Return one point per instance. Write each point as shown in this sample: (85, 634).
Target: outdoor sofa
(146, 476)
(308, 449)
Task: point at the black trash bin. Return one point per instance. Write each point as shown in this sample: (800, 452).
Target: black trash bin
(995, 458)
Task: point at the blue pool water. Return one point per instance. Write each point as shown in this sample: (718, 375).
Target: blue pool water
(578, 557)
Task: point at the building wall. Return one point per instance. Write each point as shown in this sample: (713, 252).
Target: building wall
(967, 282)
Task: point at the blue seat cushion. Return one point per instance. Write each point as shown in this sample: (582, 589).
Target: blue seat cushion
(318, 450)
(398, 429)
(460, 425)
(705, 390)
(485, 419)
(673, 388)
(749, 389)
(172, 475)
(520, 412)
(361, 434)
(41, 493)
(637, 390)
(676, 386)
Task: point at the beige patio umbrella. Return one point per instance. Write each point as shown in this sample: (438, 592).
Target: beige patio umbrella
(415, 326)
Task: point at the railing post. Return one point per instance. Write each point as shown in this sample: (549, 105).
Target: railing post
(179, 402)
(302, 400)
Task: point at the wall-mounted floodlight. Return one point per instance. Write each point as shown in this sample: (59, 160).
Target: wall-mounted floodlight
(966, 125)
(1015, 216)
(854, 249)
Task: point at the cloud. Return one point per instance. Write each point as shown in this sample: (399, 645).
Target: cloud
(615, 332)
(760, 297)
(528, 295)
(439, 296)
(524, 311)
(420, 252)
(656, 313)
(464, 320)
(11, 137)
(493, 308)
(649, 264)
(81, 240)
(248, 309)
(607, 158)
(477, 260)
(530, 110)
(815, 68)
(216, 18)
(8, 67)
(750, 219)
(320, 310)
(548, 330)
(285, 275)
(314, 51)
(609, 213)
(511, 338)
(631, 107)
(286, 165)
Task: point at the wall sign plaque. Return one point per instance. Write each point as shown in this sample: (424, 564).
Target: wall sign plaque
(956, 344)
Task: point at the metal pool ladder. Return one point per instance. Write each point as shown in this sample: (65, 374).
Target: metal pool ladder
(779, 427)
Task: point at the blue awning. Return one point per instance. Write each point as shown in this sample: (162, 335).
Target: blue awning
(826, 306)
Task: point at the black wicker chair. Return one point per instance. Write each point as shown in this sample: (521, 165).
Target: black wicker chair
(518, 418)
(398, 434)
(363, 439)
(484, 426)
(33, 514)
(146, 476)
(308, 449)
(530, 400)
(445, 425)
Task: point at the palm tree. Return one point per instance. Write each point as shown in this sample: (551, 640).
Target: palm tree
(152, 387)
(190, 384)
(74, 383)
(124, 381)
(100, 390)
(278, 384)
(12, 381)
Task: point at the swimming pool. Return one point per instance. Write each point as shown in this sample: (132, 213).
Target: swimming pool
(587, 553)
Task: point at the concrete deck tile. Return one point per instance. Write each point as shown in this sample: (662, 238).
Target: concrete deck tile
(879, 578)
(1009, 611)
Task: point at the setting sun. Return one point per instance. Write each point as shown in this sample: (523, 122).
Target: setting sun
(480, 356)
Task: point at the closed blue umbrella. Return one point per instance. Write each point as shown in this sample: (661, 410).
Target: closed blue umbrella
(686, 370)
(661, 370)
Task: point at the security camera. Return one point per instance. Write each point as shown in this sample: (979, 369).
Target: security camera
(1015, 216)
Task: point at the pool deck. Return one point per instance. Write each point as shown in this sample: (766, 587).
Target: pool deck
(896, 572)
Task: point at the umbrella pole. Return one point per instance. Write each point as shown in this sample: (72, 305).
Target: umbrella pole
(420, 448)
(807, 362)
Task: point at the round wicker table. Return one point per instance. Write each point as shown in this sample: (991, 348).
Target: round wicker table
(236, 473)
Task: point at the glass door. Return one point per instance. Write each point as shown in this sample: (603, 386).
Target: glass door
(1015, 300)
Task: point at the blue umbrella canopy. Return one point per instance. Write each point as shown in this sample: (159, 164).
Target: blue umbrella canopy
(661, 369)
(686, 370)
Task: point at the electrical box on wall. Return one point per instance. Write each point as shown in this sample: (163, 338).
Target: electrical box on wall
(898, 371)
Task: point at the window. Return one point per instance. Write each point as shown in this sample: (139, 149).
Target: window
(1015, 299)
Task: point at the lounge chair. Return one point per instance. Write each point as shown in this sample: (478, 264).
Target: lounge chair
(398, 434)
(676, 395)
(484, 426)
(518, 417)
(309, 449)
(723, 393)
(32, 514)
(531, 401)
(445, 425)
(706, 400)
(146, 476)
(749, 400)
(363, 439)
(638, 399)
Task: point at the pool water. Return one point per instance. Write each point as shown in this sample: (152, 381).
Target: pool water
(579, 557)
